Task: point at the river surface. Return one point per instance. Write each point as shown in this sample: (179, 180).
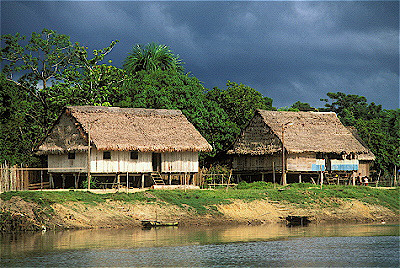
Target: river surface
(341, 245)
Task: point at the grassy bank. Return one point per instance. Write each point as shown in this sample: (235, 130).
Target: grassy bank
(206, 201)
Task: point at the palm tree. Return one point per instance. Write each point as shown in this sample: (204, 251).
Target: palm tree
(152, 57)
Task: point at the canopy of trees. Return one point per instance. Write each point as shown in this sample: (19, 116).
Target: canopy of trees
(46, 72)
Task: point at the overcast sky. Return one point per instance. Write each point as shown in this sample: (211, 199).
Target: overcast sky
(288, 51)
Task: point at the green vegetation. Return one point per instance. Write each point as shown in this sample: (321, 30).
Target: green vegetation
(309, 194)
(46, 198)
(204, 201)
(378, 128)
(45, 72)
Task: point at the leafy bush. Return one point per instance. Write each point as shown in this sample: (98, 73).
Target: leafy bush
(94, 183)
(255, 185)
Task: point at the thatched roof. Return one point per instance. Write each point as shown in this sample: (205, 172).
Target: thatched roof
(123, 129)
(304, 132)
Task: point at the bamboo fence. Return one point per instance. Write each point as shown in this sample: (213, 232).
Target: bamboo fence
(13, 178)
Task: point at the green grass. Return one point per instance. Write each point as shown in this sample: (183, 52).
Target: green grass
(205, 201)
(47, 198)
(306, 194)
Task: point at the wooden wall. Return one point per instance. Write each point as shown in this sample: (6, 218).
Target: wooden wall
(294, 162)
(304, 162)
(257, 162)
(364, 168)
(61, 161)
(120, 162)
(180, 162)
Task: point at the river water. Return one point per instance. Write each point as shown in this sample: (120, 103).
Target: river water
(341, 245)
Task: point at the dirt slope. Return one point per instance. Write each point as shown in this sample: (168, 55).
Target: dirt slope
(19, 215)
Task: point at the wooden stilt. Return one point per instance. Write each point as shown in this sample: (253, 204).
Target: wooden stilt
(299, 177)
(273, 172)
(118, 181)
(142, 181)
(76, 181)
(127, 181)
(63, 181)
(51, 180)
(322, 178)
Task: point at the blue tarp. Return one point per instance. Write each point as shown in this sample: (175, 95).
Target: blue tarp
(316, 167)
(346, 167)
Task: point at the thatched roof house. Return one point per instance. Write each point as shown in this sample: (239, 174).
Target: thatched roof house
(122, 129)
(312, 141)
(320, 132)
(123, 140)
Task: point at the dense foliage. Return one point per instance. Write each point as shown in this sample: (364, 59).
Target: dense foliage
(378, 128)
(46, 72)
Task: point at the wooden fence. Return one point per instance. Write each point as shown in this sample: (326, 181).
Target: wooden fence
(13, 178)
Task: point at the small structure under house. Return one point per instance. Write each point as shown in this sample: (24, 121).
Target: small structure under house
(299, 147)
(133, 147)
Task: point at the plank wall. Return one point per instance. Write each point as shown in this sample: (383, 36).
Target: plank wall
(120, 162)
(257, 163)
(304, 162)
(180, 162)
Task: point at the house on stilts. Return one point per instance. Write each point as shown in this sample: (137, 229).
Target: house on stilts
(133, 147)
(299, 147)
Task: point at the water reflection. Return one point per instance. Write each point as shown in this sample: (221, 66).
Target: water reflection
(28, 243)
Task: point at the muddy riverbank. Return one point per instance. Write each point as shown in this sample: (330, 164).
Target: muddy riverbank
(72, 210)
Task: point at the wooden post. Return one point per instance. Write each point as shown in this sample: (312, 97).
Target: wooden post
(169, 178)
(299, 177)
(283, 181)
(184, 178)
(262, 176)
(41, 180)
(229, 180)
(118, 181)
(88, 160)
(142, 181)
(127, 182)
(273, 172)
(76, 181)
(63, 181)
(322, 178)
(51, 181)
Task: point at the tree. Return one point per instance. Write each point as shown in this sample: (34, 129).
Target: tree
(379, 129)
(18, 127)
(304, 107)
(39, 77)
(152, 57)
(239, 102)
(170, 89)
(99, 85)
(43, 61)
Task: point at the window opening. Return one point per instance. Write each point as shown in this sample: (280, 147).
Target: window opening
(134, 155)
(106, 155)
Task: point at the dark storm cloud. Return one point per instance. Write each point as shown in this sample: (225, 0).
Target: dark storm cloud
(287, 50)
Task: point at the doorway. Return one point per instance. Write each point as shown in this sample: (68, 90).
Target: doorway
(156, 161)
